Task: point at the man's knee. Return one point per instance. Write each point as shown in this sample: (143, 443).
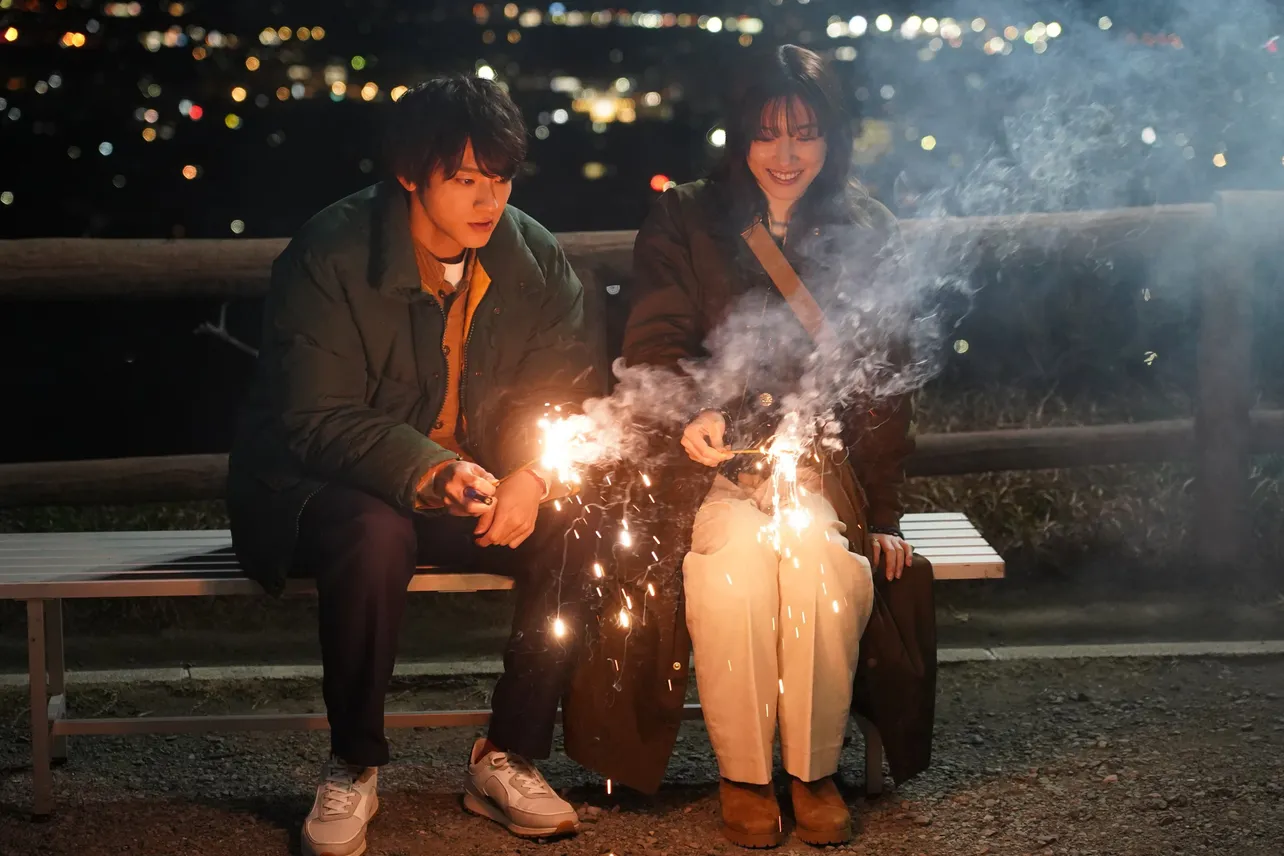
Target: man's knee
(361, 534)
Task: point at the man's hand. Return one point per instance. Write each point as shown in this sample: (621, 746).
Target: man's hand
(456, 486)
(511, 520)
(897, 552)
(703, 439)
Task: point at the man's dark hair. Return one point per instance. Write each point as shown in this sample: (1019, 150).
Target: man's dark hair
(430, 125)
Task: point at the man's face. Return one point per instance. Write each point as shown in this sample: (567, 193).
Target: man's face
(463, 209)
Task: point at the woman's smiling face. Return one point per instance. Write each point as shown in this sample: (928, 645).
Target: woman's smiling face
(788, 152)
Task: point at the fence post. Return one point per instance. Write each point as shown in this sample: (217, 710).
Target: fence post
(1222, 529)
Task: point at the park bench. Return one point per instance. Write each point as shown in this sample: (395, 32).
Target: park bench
(45, 569)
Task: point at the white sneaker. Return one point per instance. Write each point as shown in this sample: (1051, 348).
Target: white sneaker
(509, 790)
(345, 802)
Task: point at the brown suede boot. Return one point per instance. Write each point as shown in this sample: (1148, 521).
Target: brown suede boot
(821, 815)
(750, 814)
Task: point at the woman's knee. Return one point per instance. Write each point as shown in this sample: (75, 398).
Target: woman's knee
(730, 570)
(736, 526)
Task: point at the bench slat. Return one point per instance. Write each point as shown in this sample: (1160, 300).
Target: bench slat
(179, 563)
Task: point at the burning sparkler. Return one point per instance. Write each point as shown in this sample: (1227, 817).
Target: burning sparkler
(784, 450)
(568, 444)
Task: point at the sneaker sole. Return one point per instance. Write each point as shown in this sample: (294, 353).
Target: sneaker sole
(306, 848)
(484, 807)
(753, 840)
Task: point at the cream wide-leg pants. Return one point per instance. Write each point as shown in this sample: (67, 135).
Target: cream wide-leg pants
(776, 635)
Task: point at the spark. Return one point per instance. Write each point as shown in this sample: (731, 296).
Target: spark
(628, 601)
(626, 540)
(650, 589)
(559, 627)
(655, 539)
(654, 556)
(728, 665)
(782, 686)
(577, 534)
(835, 606)
(646, 480)
(624, 618)
(597, 570)
(729, 580)
(557, 504)
(608, 787)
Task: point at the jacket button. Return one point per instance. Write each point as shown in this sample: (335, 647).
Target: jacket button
(496, 310)
(677, 667)
(439, 424)
(445, 349)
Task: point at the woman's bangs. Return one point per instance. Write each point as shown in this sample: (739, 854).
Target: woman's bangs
(780, 115)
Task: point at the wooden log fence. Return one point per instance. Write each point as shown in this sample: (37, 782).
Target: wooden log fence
(1227, 236)
(200, 477)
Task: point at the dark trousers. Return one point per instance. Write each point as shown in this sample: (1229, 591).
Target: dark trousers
(362, 553)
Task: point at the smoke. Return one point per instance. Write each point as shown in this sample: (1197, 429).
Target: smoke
(1089, 118)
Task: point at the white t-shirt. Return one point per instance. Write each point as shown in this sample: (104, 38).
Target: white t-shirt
(453, 272)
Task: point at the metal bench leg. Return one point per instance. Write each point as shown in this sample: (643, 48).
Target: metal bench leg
(41, 770)
(57, 666)
(873, 757)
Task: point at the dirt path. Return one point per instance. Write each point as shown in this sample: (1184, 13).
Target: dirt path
(1099, 757)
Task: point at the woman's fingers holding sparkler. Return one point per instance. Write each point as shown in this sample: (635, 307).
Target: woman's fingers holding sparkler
(703, 439)
(897, 554)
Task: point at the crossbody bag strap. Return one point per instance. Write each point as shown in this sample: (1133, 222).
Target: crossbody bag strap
(787, 282)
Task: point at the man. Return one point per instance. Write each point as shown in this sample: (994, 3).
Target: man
(413, 335)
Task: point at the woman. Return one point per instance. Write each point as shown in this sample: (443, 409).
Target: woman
(775, 622)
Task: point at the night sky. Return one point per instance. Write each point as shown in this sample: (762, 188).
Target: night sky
(242, 119)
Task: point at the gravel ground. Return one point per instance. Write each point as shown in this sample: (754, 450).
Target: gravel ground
(1081, 757)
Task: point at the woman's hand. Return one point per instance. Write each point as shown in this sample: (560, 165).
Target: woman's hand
(703, 439)
(897, 552)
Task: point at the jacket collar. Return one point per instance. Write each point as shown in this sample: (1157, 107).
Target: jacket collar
(394, 271)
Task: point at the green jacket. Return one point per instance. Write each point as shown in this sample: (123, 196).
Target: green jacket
(351, 375)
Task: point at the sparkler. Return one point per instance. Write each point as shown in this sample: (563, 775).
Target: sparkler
(567, 445)
(784, 450)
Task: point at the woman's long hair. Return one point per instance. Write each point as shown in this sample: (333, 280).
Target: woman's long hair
(790, 73)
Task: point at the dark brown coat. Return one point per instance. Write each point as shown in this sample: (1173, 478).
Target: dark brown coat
(626, 701)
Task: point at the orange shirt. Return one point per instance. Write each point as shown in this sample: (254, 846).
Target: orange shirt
(460, 304)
